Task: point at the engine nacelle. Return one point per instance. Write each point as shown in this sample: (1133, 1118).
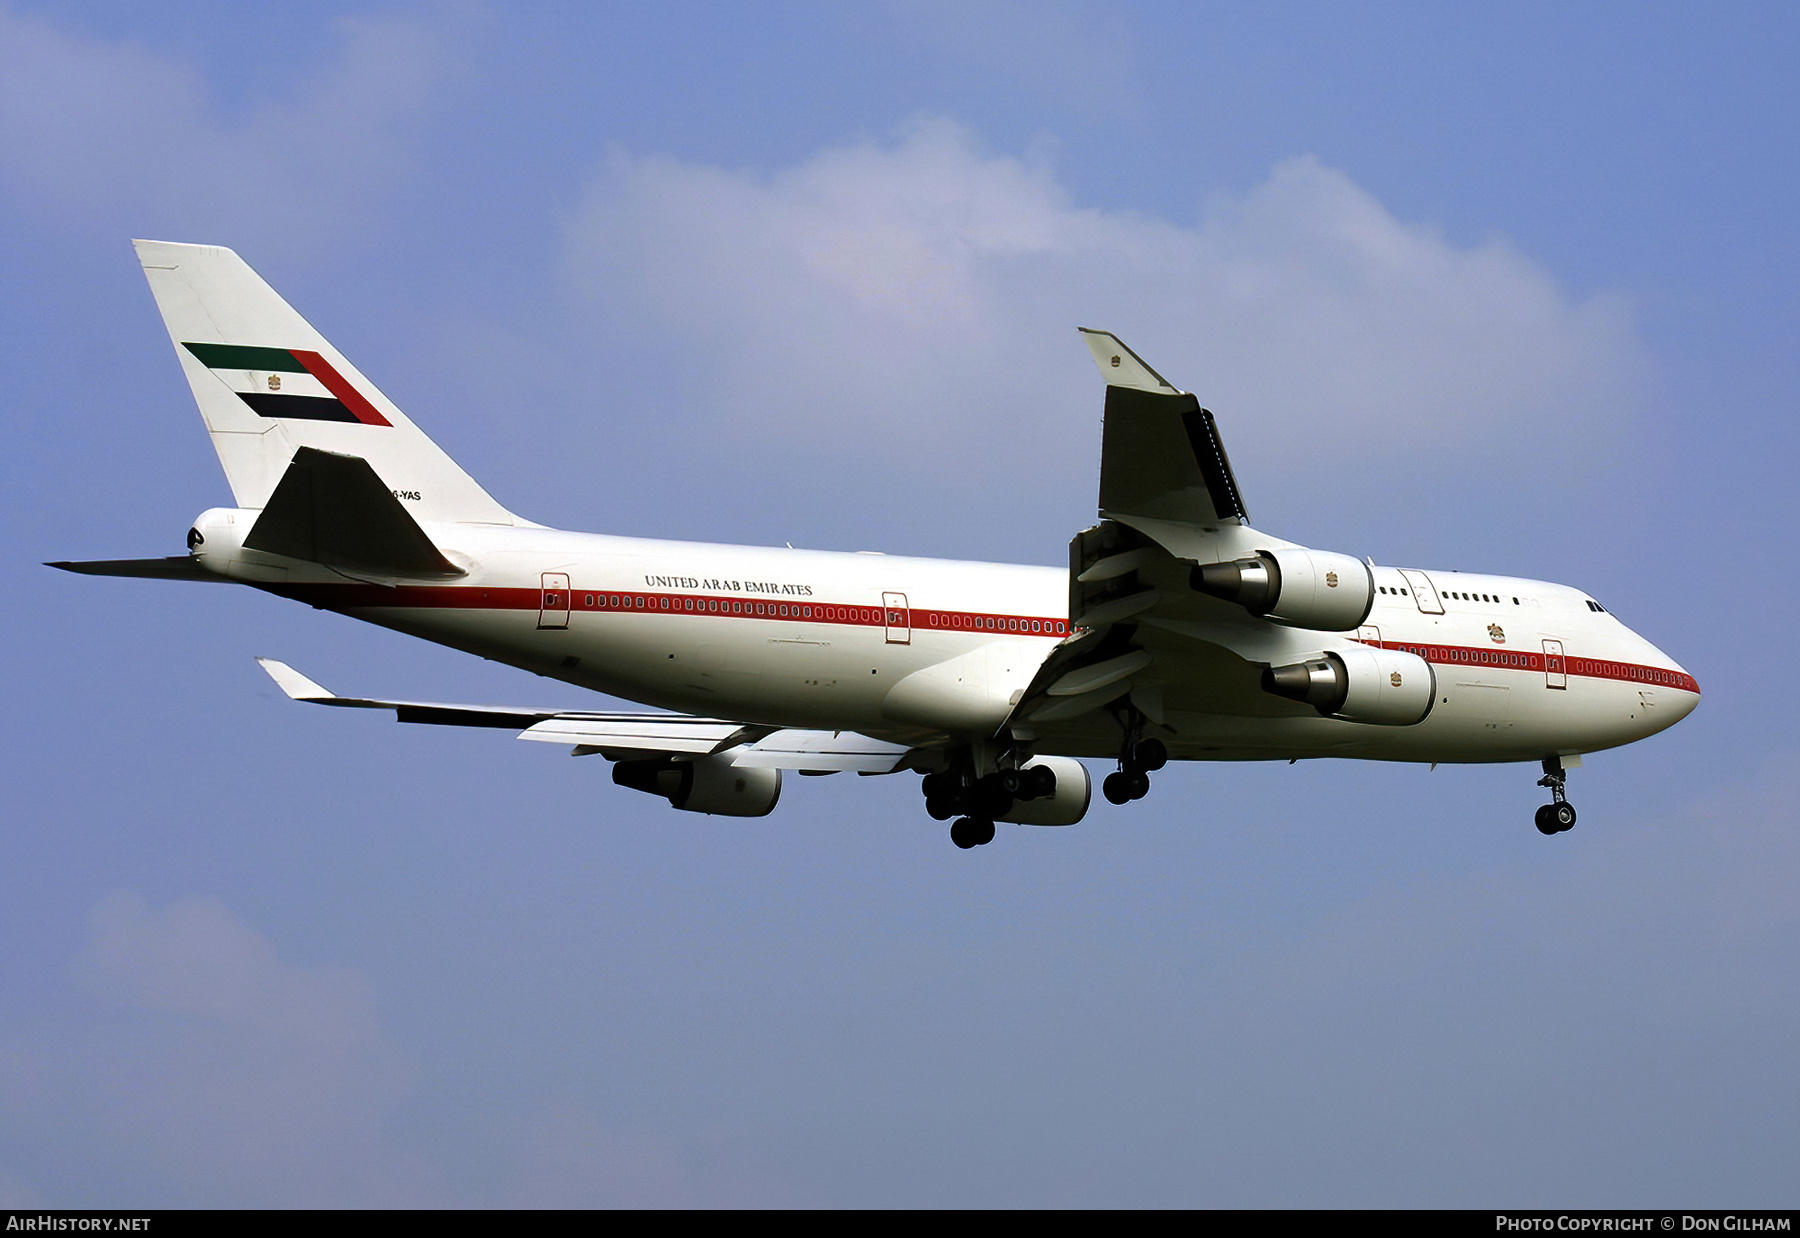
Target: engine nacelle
(1066, 805)
(1302, 588)
(709, 784)
(1386, 687)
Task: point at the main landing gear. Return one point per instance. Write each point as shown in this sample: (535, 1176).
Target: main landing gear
(1136, 762)
(1559, 814)
(975, 802)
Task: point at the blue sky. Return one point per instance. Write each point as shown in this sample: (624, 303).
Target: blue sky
(1510, 290)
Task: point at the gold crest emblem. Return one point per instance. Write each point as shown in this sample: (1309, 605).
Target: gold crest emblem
(1394, 679)
(274, 382)
(1115, 361)
(1331, 580)
(1498, 633)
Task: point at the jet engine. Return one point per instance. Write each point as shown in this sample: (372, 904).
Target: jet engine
(705, 784)
(1385, 687)
(1301, 588)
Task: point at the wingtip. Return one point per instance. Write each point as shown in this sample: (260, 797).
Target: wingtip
(296, 686)
(1121, 367)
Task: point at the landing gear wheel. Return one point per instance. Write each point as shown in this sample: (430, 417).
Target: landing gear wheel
(1116, 787)
(972, 832)
(1559, 814)
(989, 797)
(1149, 755)
(940, 809)
(1555, 818)
(1139, 783)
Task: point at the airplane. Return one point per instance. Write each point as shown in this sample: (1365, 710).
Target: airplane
(1176, 632)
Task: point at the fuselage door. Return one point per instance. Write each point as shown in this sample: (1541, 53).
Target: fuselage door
(1556, 669)
(899, 619)
(1369, 634)
(1424, 592)
(553, 605)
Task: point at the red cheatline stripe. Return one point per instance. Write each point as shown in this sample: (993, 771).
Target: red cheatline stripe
(816, 612)
(1527, 660)
(469, 597)
(335, 383)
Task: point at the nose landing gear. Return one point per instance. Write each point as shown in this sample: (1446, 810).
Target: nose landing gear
(1559, 814)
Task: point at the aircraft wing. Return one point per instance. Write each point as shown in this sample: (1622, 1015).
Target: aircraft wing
(1161, 456)
(620, 736)
(1141, 635)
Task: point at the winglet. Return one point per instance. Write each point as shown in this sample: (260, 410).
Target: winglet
(1121, 367)
(297, 686)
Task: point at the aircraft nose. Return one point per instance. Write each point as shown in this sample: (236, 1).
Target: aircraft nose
(1674, 697)
(1683, 700)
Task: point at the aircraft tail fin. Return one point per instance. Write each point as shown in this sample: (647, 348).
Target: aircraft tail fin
(269, 385)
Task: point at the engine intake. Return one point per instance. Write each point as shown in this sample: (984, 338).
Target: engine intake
(1301, 588)
(709, 784)
(1384, 687)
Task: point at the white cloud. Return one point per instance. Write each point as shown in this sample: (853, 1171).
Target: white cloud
(263, 1083)
(99, 131)
(903, 295)
(196, 958)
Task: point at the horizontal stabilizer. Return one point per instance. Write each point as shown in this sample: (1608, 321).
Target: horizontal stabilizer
(334, 510)
(175, 567)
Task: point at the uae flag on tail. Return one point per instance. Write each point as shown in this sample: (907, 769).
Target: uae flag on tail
(287, 382)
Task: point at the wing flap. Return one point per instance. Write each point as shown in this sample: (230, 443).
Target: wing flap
(823, 751)
(669, 734)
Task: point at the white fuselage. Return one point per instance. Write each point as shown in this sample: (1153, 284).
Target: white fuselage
(906, 648)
